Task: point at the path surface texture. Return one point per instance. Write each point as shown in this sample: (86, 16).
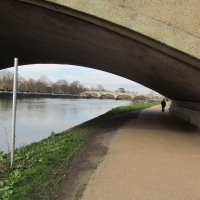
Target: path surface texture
(155, 156)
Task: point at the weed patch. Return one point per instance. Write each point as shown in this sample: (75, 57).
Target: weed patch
(79, 193)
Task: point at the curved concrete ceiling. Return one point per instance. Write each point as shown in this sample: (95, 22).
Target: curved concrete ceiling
(38, 35)
(174, 23)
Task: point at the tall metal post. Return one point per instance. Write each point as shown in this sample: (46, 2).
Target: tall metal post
(14, 110)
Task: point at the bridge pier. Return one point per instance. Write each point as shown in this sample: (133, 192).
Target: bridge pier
(187, 111)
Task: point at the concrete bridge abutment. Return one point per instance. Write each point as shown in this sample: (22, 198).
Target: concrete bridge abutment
(187, 111)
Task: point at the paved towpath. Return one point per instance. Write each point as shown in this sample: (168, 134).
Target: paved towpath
(154, 157)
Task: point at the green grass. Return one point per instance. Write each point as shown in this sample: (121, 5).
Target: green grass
(123, 109)
(41, 166)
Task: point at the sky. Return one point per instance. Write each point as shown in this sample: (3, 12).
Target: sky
(88, 77)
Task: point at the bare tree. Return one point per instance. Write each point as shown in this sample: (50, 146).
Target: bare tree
(63, 85)
(49, 88)
(6, 79)
(55, 88)
(74, 87)
(42, 84)
(22, 83)
(92, 88)
(100, 88)
(82, 88)
(31, 85)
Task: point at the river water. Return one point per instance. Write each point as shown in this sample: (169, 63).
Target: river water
(37, 118)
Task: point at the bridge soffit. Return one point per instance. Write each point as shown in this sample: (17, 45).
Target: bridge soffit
(174, 23)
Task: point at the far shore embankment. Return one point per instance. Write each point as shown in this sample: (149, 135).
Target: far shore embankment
(39, 95)
(9, 95)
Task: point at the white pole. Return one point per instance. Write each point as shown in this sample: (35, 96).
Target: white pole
(14, 111)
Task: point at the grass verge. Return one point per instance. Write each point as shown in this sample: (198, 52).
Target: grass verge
(41, 166)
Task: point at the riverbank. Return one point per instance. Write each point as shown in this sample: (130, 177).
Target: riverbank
(7, 95)
(48, 163)
(39, 95)
(36, 118)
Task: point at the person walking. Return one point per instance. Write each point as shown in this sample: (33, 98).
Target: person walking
(163, 104)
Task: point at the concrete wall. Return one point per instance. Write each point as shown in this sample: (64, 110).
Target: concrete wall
(187, 111)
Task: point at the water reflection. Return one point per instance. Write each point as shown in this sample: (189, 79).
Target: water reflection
(37, 118)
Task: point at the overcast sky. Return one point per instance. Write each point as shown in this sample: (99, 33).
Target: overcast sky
(87, 76)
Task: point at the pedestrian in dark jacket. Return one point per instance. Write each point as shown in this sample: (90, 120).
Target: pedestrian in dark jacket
(163, 104)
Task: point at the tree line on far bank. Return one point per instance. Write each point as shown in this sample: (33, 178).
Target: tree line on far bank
(43, 84)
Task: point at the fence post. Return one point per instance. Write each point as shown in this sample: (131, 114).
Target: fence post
(14, 110)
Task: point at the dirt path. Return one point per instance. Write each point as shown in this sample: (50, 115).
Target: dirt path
(86, 162)
(155, 156)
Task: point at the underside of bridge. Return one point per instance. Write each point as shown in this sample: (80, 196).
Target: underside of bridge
(39, 35)
(36, 34)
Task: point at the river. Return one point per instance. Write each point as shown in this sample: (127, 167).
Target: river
(37, 118)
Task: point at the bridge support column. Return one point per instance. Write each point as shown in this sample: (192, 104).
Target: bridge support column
(187, 111)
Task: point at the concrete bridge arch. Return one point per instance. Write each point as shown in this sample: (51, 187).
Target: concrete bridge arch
(147, 43)
(105, 94)
(94, 94)
(43, 35)
(114, 95)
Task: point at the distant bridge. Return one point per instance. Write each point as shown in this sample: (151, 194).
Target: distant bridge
(112, 95)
